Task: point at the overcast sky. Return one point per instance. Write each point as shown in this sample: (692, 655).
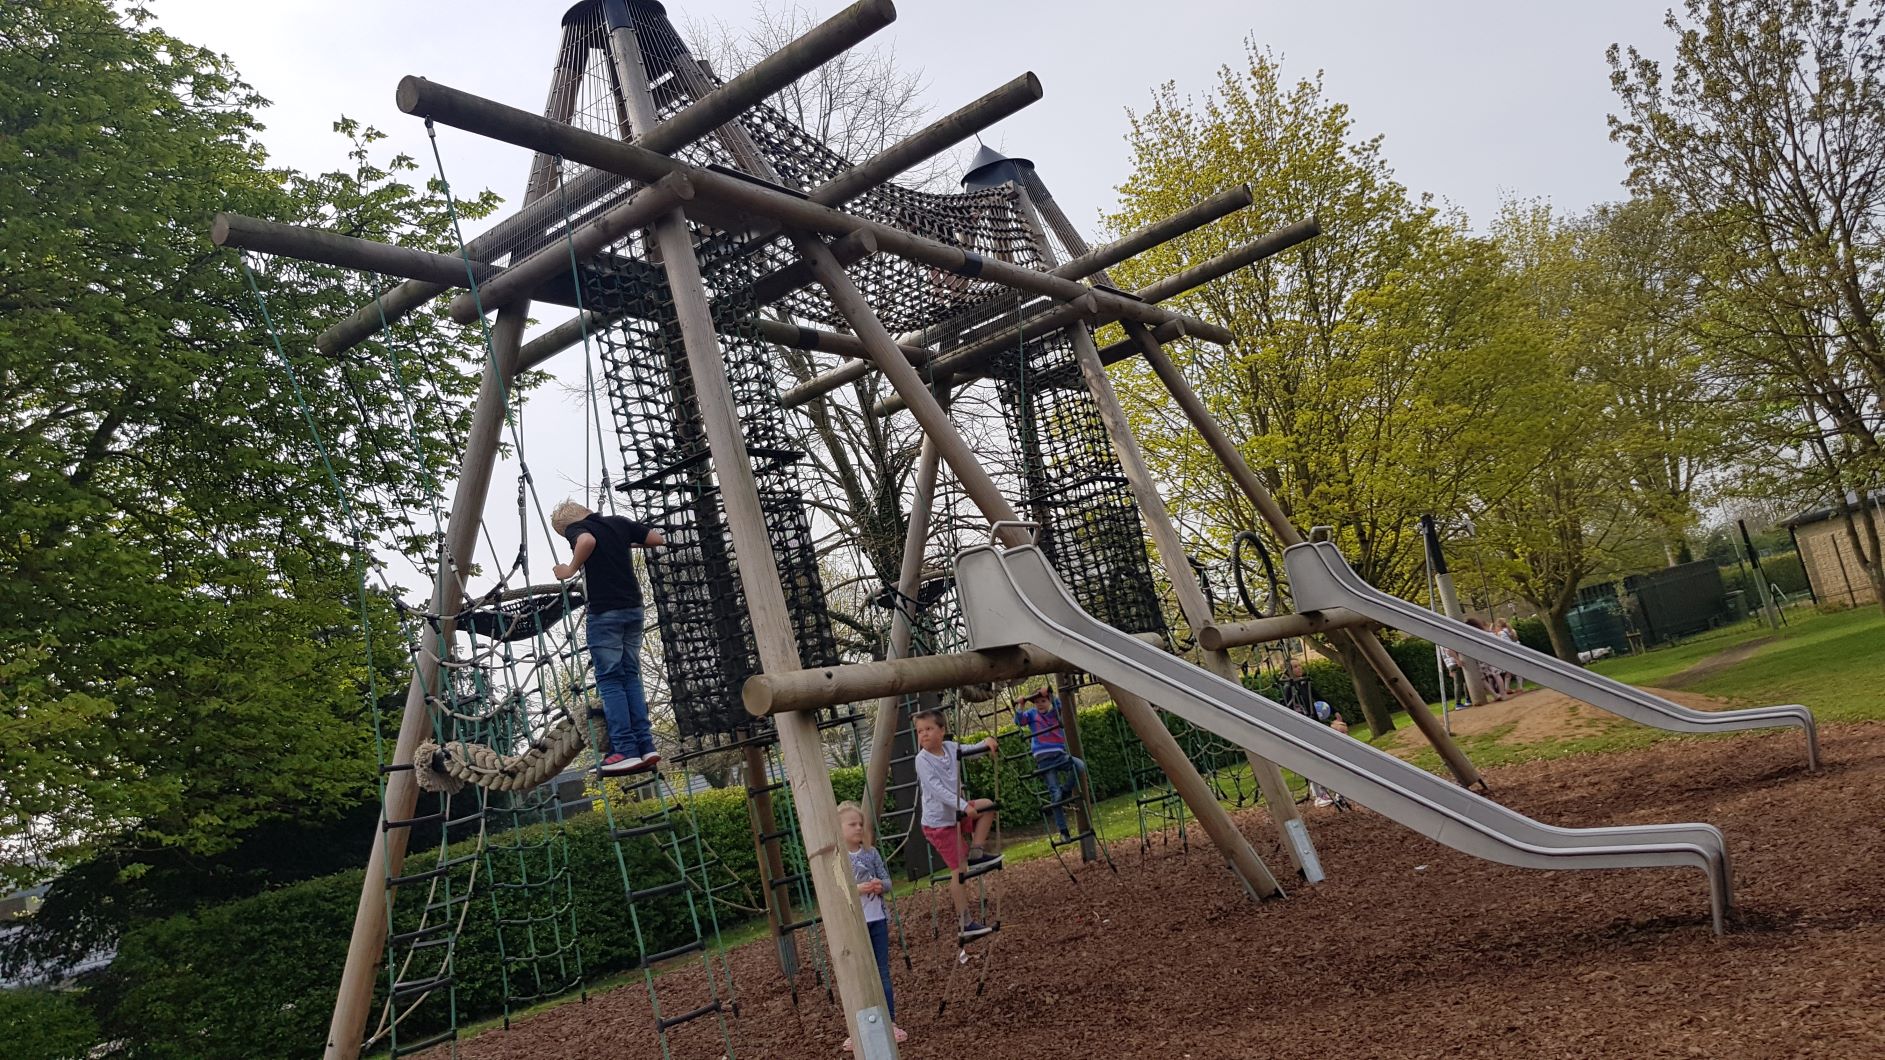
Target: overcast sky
(1478, 99)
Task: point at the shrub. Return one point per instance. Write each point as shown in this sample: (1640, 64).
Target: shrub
(1533, 634)
(1785, 570)
(256, 977)
(39, 1024)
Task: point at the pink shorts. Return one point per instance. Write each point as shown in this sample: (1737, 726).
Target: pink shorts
(950, 842)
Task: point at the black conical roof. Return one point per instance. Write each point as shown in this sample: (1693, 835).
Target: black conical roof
(984, 169)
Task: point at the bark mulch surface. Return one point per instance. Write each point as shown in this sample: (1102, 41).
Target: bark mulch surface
(1408, 950)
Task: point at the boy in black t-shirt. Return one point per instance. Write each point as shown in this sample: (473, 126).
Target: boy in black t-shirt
(602, 548)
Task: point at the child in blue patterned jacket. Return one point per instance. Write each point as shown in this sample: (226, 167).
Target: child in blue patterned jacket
(873, 888)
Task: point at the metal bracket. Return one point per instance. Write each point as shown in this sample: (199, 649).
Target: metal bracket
(995, 528)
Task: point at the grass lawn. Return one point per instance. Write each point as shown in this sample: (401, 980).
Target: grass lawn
(1832, 663)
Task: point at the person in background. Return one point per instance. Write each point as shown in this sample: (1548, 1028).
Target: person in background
(1039, 713)
(1495, 683)
(1514, 684)
(603, 549)
(1450, 659)
(1327, 715)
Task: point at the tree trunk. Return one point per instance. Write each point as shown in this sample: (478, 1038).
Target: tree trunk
(1368, 691)
(1563, 644)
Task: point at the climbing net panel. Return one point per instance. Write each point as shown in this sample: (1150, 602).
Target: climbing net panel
(1073, 486)
(906, 296)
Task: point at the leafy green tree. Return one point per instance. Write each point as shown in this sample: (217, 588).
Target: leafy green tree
(1767, 134)
(1569, 513)
(46, 1025)
(1365, 383)
(1666, 418)
(180, 653)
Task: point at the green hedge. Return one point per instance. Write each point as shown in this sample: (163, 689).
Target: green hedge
(39, 1024)
(1533, 634)
(1783, 569)
(257, 977)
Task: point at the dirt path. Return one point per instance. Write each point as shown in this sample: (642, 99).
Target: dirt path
(1718, 662)
(1539, 716)
(1409, 950)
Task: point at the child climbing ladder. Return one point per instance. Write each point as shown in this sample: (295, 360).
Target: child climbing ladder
(949, 815)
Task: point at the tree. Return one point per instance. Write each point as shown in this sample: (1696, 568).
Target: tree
(1666, 419)
(1365, 382)
(1568, 514)
(1767, 134)
(182, 580)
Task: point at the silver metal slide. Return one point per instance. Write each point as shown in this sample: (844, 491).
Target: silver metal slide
(1320, 578)
(1011, 596)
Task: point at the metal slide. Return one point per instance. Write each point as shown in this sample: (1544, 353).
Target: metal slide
(1011, 596)
(1320, 578)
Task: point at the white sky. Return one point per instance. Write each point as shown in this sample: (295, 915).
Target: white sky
(1478, 99)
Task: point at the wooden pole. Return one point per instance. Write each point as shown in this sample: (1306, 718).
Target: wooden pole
(1093, 262)
(1197, 612)
(852, 962)
(1191, 787)
(888, 717)
(1363, 640)
(673, 190)
(353, 1001)
(872, 172)
(768, 694)
(966, 363)
(798, 58)
(771, 857)
(767, 834)
(584, 243)
(1263, 630)
(777, 332)
(1067, 689)
(765, 204)
(983, 492)
(332, 248)
(1158, 522)
(347, 252)
(1225, 202)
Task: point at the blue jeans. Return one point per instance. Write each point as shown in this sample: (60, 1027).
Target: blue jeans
(880, 945)
(615, 648)
(1058, 764)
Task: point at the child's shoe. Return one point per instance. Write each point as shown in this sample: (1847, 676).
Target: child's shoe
(616, 765)
(980, 863)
